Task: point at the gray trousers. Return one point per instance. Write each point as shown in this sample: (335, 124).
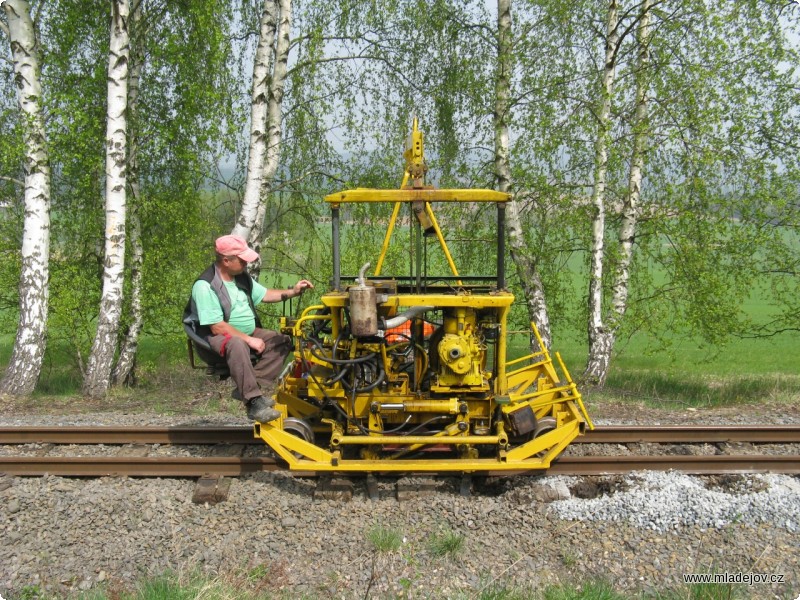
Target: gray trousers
(247, 376)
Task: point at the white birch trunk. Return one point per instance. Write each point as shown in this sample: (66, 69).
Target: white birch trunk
(630, 208)
(620, 284)
(123, 371)
(274, 120)
(526, 267)
(98, 371)
(262, 75)
(599, 340)
(25, 365)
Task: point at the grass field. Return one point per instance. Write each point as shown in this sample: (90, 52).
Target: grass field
(744, 371)
(257, 584)
(673, 369)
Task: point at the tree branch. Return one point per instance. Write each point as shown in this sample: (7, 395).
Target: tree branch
(12, 180)
(290, 182)
(767, 334)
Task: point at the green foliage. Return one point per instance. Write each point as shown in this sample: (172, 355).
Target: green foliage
(30, 592)
(166, 588)
(446, 543)
(11, 197)
(500, 591)
(384, 539)
(709, 207)
(588, 591)
(711, 591)
(700, 591)
(184, 122)
(720, 218)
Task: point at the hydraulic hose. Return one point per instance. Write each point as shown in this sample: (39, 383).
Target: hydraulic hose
(339, 361)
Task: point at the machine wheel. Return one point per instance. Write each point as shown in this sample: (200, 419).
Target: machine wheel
(544, 425)
(299, 428)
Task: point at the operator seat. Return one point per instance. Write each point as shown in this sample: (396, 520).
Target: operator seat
(214, 363)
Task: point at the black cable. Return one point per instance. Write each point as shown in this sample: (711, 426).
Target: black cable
(339, 373)
(371, 386)
(436, 418)
(339, 361)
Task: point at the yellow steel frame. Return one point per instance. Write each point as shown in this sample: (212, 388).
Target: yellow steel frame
(411, 196)
(539, 453)
(531, 384)
(559, 399)
(417, 195)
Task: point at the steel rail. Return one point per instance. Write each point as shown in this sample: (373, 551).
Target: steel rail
(612, 434)
(134, 466)
(128, 435)
(692, 434)
(106, 466)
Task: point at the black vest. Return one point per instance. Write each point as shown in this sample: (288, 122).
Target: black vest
(243, 281)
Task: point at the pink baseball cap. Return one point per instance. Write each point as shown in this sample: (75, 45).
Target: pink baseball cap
(233, 245)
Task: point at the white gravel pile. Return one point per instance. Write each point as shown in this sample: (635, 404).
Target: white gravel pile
(668, 501)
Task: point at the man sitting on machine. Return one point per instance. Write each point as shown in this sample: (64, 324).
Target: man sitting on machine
(221, 311)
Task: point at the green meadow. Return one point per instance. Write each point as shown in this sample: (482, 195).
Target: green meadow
(643, 370)
(663, 367)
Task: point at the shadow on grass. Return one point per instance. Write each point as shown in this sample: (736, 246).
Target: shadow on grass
(163, 383)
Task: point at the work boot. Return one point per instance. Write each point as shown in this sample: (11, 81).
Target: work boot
(260, 409)
(236, 395)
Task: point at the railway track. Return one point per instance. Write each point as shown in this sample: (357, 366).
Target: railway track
(198, 466)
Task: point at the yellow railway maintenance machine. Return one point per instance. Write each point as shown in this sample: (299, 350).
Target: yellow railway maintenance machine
(410, 374)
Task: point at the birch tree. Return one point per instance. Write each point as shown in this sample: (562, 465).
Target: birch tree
(630, 208)
(269, 76)
(274, 118)
(182, 116)
(521, 255)
(604, 324)
(599, 340)
(721, 84)
(98, 373)
(123, 369)
(25, 365)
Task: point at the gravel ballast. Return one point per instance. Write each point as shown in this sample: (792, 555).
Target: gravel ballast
(669, 501)
(638, 532)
